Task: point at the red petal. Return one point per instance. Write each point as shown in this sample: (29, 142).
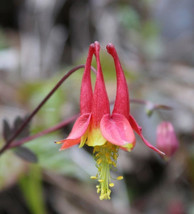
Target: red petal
(86, 94)
(138, 129)
(117, 130)
(69, 143)
(122, 98)
(100, 100)
(78, 130)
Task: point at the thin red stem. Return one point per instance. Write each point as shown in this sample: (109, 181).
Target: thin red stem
(42, 133)
(155, 106)
(29, 118)
(138, 101)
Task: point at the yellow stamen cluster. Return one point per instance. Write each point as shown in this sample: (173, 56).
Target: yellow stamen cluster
(106, 158)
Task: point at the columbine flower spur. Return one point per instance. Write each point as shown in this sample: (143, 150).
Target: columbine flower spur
(97, 127)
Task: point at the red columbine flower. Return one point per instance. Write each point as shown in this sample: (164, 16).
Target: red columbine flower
(97, 127)
(166, 138)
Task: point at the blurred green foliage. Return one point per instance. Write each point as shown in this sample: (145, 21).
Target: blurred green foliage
(50, 157)
(11, 168)
(31, 186)
(33, 94)
(3, 40)
(129, 17)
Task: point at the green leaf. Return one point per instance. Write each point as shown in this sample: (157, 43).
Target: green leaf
(26, 154)
(17, 123)
(6, 130)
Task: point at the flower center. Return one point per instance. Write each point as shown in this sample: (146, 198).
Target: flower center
(106, 158)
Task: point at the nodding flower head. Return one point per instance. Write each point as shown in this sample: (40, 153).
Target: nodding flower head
(166, 138)
(97, 127)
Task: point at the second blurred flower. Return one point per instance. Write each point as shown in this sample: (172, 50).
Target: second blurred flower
(166, 138)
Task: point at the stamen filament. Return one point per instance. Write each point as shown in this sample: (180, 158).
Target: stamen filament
(106, 158)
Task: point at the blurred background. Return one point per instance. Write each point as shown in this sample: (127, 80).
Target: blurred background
(39, 42)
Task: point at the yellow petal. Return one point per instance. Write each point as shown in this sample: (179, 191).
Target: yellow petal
(95, 138)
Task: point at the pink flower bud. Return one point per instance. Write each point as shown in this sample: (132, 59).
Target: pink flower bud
(166, 138)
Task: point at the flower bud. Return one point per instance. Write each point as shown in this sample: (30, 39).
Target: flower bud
(166, 138)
